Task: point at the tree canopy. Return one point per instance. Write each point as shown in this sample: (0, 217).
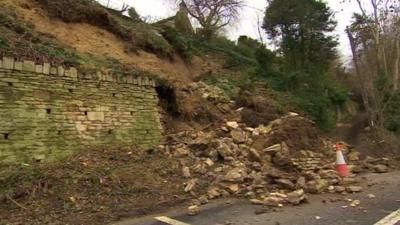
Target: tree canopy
(212, 15)
(301, 28)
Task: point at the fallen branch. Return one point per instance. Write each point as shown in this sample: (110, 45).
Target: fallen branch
(16, 203)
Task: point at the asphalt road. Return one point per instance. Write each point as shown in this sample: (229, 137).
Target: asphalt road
(319, 211)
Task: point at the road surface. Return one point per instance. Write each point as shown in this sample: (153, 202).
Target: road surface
(326, 209)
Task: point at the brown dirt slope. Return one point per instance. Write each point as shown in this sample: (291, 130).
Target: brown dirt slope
(93, 40)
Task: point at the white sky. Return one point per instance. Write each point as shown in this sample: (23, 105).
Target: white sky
(248, 21)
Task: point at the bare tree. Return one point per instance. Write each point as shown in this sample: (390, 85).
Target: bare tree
(212, 15)
(377, 21)
(375, 40)
(396, 64)
(361, 80)
(124, 8)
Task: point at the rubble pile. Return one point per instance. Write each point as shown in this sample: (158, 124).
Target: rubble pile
(271, 165)
(211, 93)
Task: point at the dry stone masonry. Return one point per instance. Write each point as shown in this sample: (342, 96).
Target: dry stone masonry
(47, 113)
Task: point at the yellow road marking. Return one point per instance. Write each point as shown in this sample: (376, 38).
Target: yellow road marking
(391, 219)
(170, 221)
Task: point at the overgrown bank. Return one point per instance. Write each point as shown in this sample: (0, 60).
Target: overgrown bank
(93, 187)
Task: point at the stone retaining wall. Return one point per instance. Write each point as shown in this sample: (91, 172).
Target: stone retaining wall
(47, 113)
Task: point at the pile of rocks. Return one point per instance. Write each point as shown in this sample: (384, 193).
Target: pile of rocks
(211, 93)
(225, 162)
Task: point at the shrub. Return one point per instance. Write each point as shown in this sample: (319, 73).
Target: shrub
(20, 40)
(223, 47)
(134, 14)
(392, 113)
(180, 43)
(319, 108)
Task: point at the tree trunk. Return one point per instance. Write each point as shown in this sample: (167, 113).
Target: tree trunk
(363, 87)
(396, 65)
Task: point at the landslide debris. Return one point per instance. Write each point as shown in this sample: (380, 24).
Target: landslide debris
(271, 165)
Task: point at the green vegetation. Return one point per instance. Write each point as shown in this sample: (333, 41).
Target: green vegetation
(134, 14)
(20, 40)
(302, 28)
(235, 55)
(392, 119)
(299, 69)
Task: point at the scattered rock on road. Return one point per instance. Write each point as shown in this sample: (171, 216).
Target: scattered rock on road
(354, 189)
(193, 210)
(296, 197)
(381, 169)
(271, 164)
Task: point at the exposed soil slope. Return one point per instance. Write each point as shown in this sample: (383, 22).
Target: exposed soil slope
(90, 39)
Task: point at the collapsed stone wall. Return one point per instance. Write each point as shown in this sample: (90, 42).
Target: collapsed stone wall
(47, 113)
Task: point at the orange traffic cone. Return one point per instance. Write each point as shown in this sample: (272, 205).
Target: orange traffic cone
(341, 166)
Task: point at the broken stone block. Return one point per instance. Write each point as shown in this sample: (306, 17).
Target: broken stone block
(203, 200)
(213, 192)
(273, 201)
(353, 156)
(235, 175)
(339, 189)
(253, 155)
(353, 189)
(348, 180)
(186, 172)
(301, 182)
(262, 130)
(232, 124)
(193, 210)
(281, 160)
(316, 186)
(257, 202)
(181, 152)
(273, 149)
(224, 150)
(233, 188)
(209, 162)
(296, 197)
(238, 136)
(190, 185)
(380, 169)
(285, 183)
